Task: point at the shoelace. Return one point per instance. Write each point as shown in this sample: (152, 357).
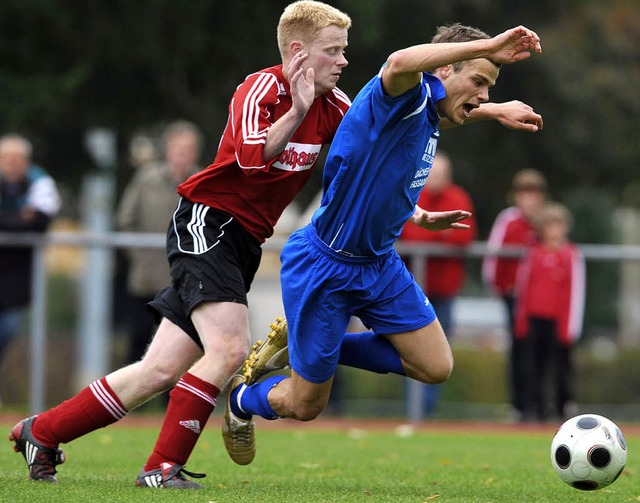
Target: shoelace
(194, 475)
(242, 436)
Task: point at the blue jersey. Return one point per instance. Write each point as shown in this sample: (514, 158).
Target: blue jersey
(378, 163)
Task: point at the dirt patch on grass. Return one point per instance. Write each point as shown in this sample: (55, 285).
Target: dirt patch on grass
(345, 424)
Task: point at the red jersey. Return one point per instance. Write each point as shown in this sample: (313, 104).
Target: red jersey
(239, 181)
(551, 285)
(512, 229)
(444, 276)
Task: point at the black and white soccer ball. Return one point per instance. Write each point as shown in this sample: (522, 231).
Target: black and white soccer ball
(588, 452)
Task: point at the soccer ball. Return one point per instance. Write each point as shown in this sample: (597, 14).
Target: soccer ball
(588, 452)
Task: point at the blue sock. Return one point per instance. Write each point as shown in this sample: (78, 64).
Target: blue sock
(368, 351)
(249, 400)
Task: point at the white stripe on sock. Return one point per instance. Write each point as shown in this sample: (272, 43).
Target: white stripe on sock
(199, 393)
(107, 401)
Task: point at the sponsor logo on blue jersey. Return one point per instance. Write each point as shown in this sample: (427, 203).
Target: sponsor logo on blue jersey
(425, 163)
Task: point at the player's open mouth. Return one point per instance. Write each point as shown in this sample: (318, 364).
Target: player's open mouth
(466, 109)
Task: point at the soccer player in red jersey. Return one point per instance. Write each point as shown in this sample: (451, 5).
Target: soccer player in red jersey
(279, 120)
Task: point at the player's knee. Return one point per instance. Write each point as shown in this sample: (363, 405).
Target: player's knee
(234, 358)
(440, 376)
(441, 372)
(237, 358)
(227, 356)
(435, 372)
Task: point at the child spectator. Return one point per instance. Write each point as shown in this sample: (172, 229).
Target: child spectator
(548, 314)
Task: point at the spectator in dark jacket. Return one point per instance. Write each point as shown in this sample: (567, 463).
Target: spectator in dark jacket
(29, 200)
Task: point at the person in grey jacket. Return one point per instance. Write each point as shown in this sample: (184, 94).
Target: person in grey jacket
(146, 206)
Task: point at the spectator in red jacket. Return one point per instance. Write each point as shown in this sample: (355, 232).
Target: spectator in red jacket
(514, 227)
(549, 309)
(444, 276)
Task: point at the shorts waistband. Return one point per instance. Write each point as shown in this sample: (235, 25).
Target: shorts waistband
(340, 256)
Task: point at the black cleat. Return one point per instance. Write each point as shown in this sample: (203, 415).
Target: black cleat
(42, 461)
(168, 476)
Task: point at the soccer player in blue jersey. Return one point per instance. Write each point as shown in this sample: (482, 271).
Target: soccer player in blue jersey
(343, 263)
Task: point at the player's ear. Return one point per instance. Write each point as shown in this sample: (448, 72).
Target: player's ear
(296, 46)
(444, 71)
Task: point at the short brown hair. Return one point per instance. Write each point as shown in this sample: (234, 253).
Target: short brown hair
(529, 179)
(303, 19)
(457, 32)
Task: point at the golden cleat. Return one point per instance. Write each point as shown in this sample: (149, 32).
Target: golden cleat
(268, 356)
(238, 434)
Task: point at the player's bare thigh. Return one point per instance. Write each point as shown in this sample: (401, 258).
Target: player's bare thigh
(298, 398)
(426, 354)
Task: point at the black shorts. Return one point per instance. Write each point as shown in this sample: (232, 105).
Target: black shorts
(212, 258)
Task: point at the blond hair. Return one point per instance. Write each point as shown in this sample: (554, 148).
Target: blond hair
(552, 212)
(302, 20)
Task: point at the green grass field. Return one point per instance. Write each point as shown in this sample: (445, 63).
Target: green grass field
(316, 465)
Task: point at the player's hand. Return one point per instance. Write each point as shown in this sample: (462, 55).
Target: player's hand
(514, 45)
(515, 115)
(301, 81)
(440, 220)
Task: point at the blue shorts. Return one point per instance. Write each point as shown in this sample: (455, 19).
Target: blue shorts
(322, 289)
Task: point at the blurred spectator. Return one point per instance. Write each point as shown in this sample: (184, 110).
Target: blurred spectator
(444, 276)
(146, 206)
(549, 310)
(29, 201)
(142, 151)
(514, 227)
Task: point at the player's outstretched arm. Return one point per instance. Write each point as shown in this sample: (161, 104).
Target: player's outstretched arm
(511, 114)
(440, 220)
(404, 67)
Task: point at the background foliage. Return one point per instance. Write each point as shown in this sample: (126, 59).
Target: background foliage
(70, 66)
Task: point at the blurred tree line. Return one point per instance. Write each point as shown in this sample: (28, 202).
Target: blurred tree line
(69, 66)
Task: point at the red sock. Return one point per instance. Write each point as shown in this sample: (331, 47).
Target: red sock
(94, 407)
(191, 403)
